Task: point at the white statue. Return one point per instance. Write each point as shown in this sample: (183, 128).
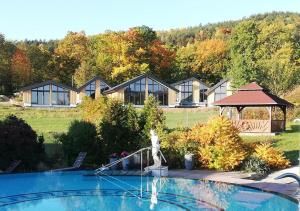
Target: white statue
(155, 149)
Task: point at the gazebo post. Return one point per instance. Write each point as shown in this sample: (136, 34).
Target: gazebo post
(239, 109)
(284, 117)
(270, 117)
(283, 108)
(221, 110)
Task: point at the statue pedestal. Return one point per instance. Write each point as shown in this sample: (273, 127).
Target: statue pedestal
(161, 171)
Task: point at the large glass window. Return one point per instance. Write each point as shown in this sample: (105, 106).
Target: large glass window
(220, 92)
(103, 87)
(135, 92)
(159, 91)
(203, 96)
(60, 96)
(186, 92)
(40, 95)
(90, 89)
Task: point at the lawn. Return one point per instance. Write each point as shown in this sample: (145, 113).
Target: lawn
(50, 121)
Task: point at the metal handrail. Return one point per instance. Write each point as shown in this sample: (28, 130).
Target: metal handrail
(120, 160)
(98, 170)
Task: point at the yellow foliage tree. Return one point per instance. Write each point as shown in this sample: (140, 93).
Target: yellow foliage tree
(220, 146)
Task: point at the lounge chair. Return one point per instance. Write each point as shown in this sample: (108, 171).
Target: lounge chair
(78, 162)
(12, 167)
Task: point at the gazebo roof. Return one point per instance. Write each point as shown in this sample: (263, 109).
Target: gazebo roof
(252, 95)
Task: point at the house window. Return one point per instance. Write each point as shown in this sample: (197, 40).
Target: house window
(103, 87)
(186, 92)
(159, 91)
(135, 92)
(60, 96)
(40, 95)
(90, 89)
(220, 92)
(203, 96)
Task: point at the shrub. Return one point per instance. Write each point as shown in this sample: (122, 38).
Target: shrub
(119, 128)
(93, 110)
(172, 149)
(81, 137)
(274, 158)
(152, 117)
(220, 146)
(18, 141)
(257, 165)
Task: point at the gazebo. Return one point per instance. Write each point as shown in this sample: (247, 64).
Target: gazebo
(253, 95)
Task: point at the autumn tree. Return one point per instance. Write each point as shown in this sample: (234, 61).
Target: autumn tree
(20, 68)
(207, 59)
(267, 51)
(74, 46)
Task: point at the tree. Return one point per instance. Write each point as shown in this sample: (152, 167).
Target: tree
(20, 69)
(39, 57)
(19, 142)
(211, 59)
(6, 52)
(243, 54)
(74, 45)
(152, 117)
(267, 48)
(119, 128)
(82, 137)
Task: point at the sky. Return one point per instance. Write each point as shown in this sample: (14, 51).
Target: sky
(52, 19)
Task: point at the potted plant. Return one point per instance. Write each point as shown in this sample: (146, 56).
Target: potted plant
(189, 161)
(113, 158)
(125, 162)
(187, 147)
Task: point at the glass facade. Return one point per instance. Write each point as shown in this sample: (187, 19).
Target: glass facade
(60, 96)
(159, 91)
(186, 92)
(135, 92)
(203, 96)
(90, 89)
(220, 92)
(103, 87)
(41, 95)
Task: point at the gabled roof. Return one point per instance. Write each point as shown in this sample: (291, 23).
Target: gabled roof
(215, 86)
(47, 83)
(251, 86)
(252, 95)
(189, 79)
(126, 83)
(92, 80)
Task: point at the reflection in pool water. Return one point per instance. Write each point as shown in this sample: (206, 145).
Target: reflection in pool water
(74, 191)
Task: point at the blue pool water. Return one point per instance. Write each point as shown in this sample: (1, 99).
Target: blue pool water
(74, 191)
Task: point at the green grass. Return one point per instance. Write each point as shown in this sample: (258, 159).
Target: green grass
(188, 118)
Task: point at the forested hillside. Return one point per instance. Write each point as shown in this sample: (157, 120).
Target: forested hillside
(263, 48)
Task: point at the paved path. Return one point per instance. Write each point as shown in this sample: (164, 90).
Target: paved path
(285, 187)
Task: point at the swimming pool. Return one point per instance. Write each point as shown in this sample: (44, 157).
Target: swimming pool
(74, 191)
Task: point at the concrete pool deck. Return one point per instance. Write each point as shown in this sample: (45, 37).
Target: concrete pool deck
(285, 186)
